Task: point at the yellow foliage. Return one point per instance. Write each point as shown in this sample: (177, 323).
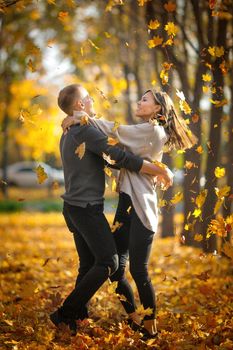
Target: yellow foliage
(178, 197)
(200, 199)
(155, 41)
(219, 172)
(206, 77)
(153, 24)
(171, 28)
(41, 174)
(80, 150)
(216, 51)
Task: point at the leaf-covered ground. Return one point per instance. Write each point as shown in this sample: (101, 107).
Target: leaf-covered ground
(38, 265)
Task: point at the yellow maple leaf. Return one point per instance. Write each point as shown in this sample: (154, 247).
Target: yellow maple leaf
(206, 77)
(170, 6)
(184, 106)
(63, 16)
(205, 89)
(84, 120)
(114, 184)
(116, 226)
(219, 172)
(216, 51)
(222, 192)
(93, 44)
(196, 213)
(217, 227)
(144, 312)
(153, 24)
(31, 66)
(168, 42)
(199, 149)
(164, 76)
(177, 198)
(198, 237)
(171, 28)
(41, 174)
(189, 164)
(108, 159)
(219, 103)
(107, 171)
(116, 126)
(80, 150)
(112, 141)
(201, 197)
(155, 41)
(162, 203)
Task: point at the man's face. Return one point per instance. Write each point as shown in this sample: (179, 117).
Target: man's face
(85, 102)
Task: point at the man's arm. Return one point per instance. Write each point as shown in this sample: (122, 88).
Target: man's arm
(97, 143)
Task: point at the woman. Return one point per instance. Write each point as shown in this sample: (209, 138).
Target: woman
(137, 210)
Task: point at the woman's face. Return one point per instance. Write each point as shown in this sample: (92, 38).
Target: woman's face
(147, 107)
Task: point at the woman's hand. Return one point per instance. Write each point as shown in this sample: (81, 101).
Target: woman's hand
(162, 174)
(165, 180)
(67, 122)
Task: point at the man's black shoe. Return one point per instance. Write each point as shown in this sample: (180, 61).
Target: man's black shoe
(58, 319)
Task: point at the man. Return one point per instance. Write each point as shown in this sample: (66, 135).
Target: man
(83, 203)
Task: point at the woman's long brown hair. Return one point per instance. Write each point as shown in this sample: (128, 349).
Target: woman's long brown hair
(180, 136)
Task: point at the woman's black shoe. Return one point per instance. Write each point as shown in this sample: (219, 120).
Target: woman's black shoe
(58, 319)
(147, 335)
(136, 327)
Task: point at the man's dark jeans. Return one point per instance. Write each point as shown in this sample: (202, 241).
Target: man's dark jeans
(98, 258)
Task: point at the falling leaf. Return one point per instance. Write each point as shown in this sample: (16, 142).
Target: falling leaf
(63, 16)
(216, 51)
(212, 4)
(41, 174)
(219, 172)
(116, 226)
(162, 203)
(217, 227)
(164, 76)
(31, 66)
(170, 6)
(84, 120)
(129, 209)
(107, 171)
(222, 192)
(80, 150)
(114, 184)
(180, 94)
(144, 312)
(196, 212)
(189, 164)
(205, 89)
(108, 36)
(93, 44)
(201, 198)
(112, 141)
(198, 237)
(184, 106)
(153, 24)
(155, 41)
(224, 68)
(219, 103)
(171, 28)
(199, 149)
(168, 42)
(116, 126)
(177, 198)
(108, 159)
(195, 118)
(206, 77)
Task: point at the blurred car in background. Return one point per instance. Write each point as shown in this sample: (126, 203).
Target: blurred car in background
(23, 174)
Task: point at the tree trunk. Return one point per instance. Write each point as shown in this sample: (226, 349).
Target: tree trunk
(210, 245)
(167, 229)
(129, 114)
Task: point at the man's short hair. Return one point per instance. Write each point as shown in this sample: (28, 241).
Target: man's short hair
(66, 98)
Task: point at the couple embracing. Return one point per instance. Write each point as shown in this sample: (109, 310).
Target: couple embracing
(104, 255)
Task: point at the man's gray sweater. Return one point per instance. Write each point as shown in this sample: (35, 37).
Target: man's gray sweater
(85, 178)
